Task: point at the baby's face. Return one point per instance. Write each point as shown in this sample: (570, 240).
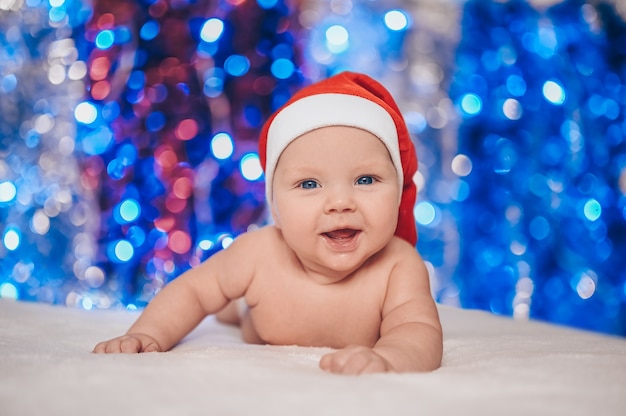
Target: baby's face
(335, 199)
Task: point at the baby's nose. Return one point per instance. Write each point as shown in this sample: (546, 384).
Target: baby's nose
(340, 199)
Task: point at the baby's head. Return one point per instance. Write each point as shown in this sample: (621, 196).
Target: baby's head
(353, 100)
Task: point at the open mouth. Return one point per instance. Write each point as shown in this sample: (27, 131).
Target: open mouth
(341, 234)
(342, 239)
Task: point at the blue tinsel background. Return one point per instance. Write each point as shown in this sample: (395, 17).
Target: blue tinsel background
(128, 141)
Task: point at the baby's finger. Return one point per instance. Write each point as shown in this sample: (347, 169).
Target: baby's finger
(129, 345)
(354, 360)
(371, 365)
(333, 361)
(113, 346)
(356, 363)
(152, 347)
(99, 348)
(336, 362)
(108, 347)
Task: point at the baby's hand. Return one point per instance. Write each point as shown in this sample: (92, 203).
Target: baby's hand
(355, 359)
(128, 344)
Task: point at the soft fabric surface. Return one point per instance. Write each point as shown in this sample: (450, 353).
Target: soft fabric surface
(492, 366)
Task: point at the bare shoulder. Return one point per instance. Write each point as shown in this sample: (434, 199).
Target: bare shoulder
(398, 260)
(403, 254)
(248, 251)
(257, 241)
(235, 267)
(409, 274)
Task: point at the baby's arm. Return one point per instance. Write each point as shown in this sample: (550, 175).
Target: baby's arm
(182, 304)
(410, 333)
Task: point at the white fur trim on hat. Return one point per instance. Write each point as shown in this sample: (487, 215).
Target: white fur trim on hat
(324, 110)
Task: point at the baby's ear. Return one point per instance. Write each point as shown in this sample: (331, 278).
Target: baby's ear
(275, 216)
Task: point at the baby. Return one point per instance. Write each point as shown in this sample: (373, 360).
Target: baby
(338, 267)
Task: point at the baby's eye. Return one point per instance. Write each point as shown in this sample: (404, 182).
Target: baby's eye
(365, 180)
(308, 184)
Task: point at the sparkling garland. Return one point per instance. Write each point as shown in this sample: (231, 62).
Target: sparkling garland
(179, 91)
(543, 162)
(517, 113)
(45, 214)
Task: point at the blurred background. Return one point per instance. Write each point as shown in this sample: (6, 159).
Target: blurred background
(128, 133)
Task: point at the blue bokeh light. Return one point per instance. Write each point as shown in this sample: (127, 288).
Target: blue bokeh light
(554, 92)
(539, 228)
(155, 121)
(212, 30)
(97, 141)
(122, 35)
(110, 111)
(149, 30)
(121, 251)
(8, 291)
(8, 191)
(213, 83)
(337, 39)
(592, 210)
(222, 146)
(250, 167)
(603, 106)
(425, 213)
(512, 109)
(282, 68)
(8, 83)
(105, 39)
(471, 104)
(227, 241)
(136, 235)
(236, 65)
(127, 153)
(57, 14)
(267, 4)
(516, 85)
(129, 210)
(206, 245)
(396, 20)
(116, 169)
(86, 112)
(12, 238)
(136, 80)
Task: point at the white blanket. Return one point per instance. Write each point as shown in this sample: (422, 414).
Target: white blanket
(491, 366)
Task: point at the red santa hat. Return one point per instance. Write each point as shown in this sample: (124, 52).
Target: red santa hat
(347, 99)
